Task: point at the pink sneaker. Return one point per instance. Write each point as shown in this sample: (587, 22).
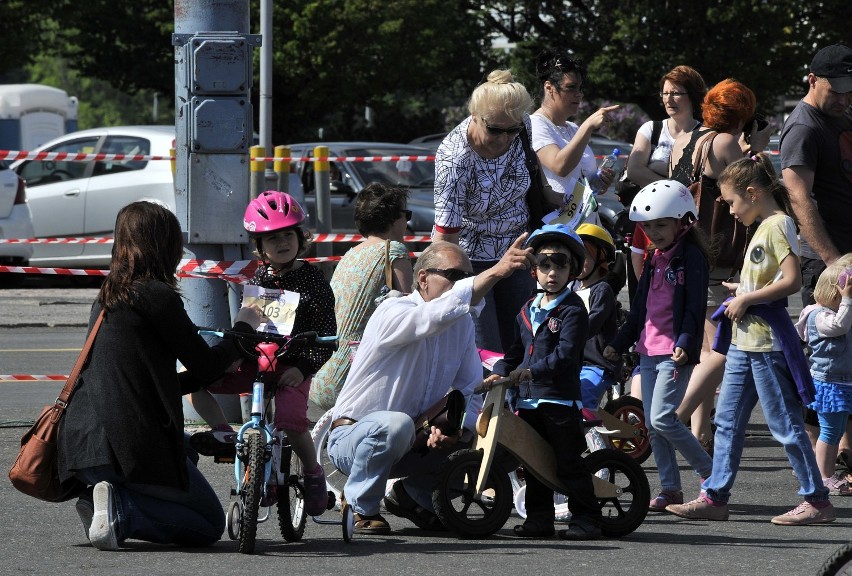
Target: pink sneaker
(804, 514)
(316, 492)
(837, 485)
(700, 509)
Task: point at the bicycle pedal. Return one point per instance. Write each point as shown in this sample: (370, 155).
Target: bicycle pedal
(223, 459)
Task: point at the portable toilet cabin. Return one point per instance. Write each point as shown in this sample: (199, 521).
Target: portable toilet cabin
(32, 114)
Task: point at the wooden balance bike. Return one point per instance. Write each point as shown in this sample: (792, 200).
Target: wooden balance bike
(474, 497)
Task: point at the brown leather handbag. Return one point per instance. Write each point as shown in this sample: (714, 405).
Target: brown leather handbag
(36, 470)
(446, 414)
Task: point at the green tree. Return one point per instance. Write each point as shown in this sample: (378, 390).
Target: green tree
(412, 60)
(629, 44)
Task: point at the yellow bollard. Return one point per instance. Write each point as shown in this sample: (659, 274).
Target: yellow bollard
(258, 171)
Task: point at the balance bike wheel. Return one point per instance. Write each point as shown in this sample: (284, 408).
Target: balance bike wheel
(630, 410)
(839, 563)
(454, 501)
(624, 512)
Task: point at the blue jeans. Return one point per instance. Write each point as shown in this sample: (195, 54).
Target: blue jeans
(663, 388)
(162, 514)
(378, 447)
(764, 376)
(495, 326)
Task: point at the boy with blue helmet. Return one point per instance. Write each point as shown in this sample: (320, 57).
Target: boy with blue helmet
(545, 361)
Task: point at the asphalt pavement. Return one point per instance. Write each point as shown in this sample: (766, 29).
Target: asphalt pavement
(41, 538)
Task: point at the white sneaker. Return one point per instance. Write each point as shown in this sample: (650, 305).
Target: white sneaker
(103, 533)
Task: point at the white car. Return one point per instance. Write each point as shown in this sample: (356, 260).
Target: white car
(71, 198)
(15, 223)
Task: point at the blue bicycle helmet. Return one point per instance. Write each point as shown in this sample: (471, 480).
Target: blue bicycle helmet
(562, 234)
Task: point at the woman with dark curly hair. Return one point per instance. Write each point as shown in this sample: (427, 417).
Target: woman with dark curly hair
(381, 216)
(728, 109)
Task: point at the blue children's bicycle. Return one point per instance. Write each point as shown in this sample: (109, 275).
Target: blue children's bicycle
(266, 471)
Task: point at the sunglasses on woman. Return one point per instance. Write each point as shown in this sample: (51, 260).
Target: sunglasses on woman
(497, 131)
(451, 274)
(546, 262)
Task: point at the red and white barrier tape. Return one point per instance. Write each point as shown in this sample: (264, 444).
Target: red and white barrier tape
(33, 377)
(231, 270)
(86, 240)
(82, 157)
(75, 157)
(69, 240)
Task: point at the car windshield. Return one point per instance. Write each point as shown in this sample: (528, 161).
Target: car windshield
(415, 173)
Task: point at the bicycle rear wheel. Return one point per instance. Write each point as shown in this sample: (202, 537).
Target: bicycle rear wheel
(251, 488)
(291, 505)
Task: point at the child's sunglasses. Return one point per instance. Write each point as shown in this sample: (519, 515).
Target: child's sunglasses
(545, 262)
(451, 274)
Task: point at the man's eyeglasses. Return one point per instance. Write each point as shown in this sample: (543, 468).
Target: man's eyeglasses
(665, 95)
(406, 213)
(545, 262)
(451, 274)
(497, 131)
(570, 88)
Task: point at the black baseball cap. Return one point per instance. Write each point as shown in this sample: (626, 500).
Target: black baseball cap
(834, 63)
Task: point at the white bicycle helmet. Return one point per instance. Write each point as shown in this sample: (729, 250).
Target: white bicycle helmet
(662, 199)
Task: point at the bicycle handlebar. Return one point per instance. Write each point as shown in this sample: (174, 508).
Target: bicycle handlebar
(283, 340)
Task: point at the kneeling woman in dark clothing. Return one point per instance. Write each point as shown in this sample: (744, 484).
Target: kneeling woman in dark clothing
(122, 434)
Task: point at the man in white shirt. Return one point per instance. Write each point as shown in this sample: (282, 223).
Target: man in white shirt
(414, 350)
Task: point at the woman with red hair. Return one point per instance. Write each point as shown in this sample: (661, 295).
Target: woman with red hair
(727, 112)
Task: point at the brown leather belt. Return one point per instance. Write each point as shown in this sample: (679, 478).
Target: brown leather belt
(342, 422)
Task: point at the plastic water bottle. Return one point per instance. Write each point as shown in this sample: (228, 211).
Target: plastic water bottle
(607, 162)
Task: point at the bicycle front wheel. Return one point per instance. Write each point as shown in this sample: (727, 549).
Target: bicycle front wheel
(251, 488)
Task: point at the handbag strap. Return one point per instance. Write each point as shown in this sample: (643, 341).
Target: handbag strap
(388, 268)
(703, 156)
(68, 389)
(531, 159)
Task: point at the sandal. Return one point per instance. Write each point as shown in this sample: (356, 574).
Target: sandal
(371, 524)
(399, 503)
(663, 499)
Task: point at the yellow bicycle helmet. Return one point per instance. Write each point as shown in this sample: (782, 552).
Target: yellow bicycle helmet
(599, 238)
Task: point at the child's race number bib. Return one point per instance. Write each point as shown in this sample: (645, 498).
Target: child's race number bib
(279, 308)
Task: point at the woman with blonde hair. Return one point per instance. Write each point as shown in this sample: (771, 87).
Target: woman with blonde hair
(481, 184)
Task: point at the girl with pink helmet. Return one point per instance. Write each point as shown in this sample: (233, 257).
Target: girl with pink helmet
(274, 221)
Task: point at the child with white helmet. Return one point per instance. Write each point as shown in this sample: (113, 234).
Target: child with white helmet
(666, 322)
(544, 361)
(274, 220)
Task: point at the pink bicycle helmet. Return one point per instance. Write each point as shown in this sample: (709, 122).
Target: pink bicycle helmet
(271, 211)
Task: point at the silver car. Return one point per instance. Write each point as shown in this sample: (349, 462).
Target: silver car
(15, 223)
(70, 198)
(349, 177)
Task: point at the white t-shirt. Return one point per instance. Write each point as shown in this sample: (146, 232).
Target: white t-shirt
(663, 152)
(544, 133)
